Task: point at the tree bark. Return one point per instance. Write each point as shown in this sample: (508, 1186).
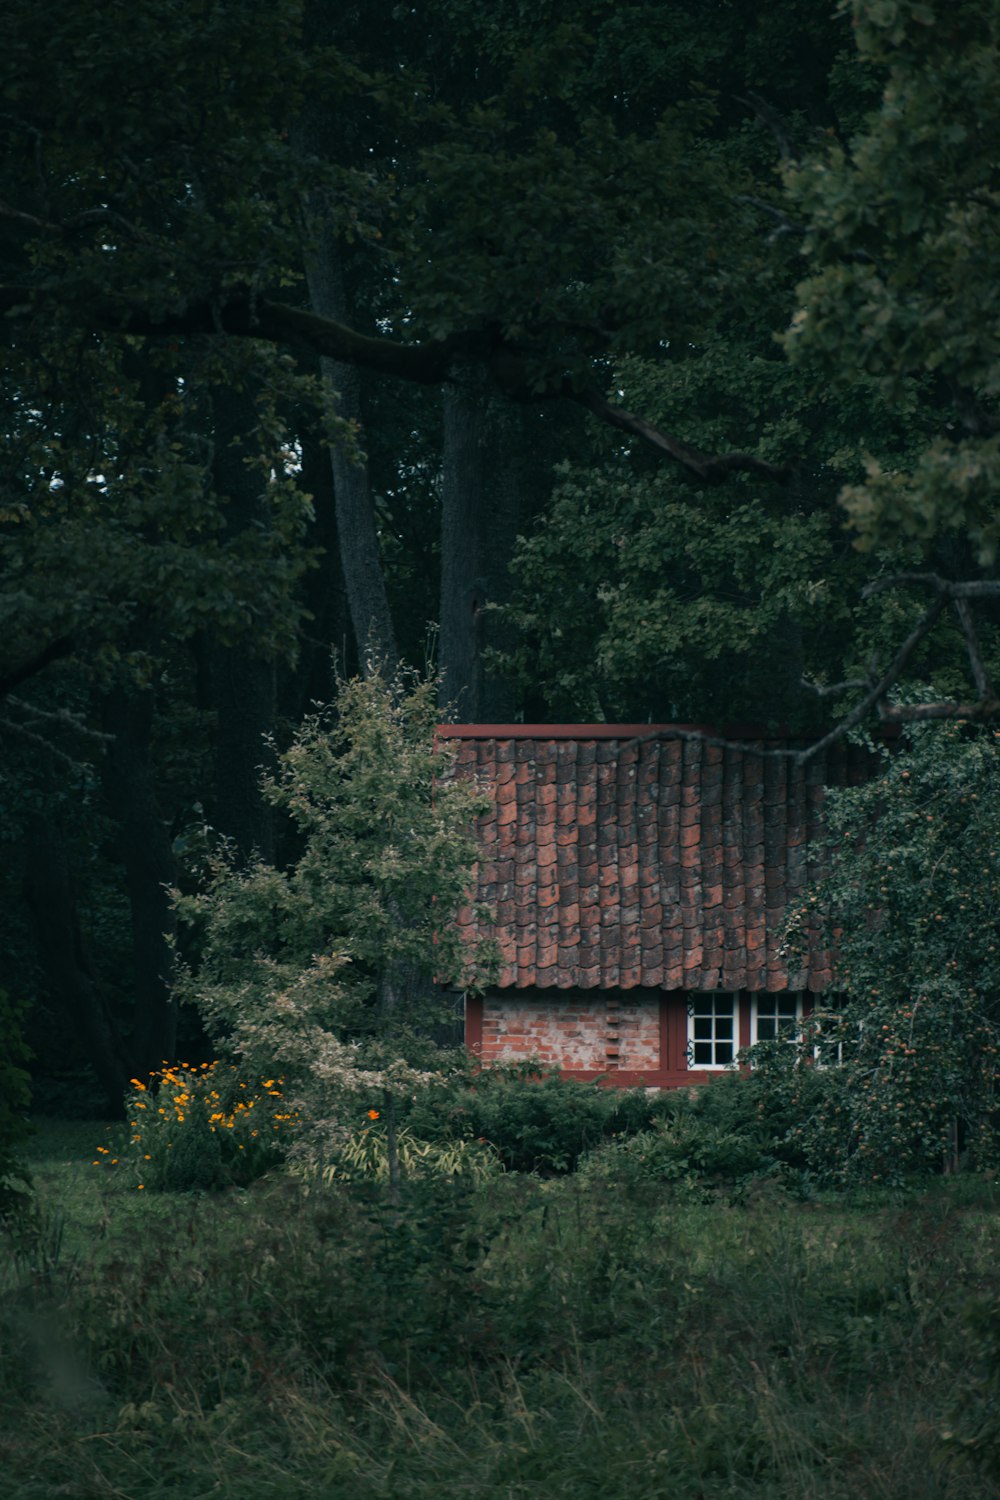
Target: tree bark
(326, 626)
(371, 618)
(243, 679)
(484, 475)
(146, 853)
(69, 975)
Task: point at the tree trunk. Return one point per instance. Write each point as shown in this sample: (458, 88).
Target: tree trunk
(360, 557)
(144, 845)
(70, 978)
(484, 444)
(326, 625)
(243, 680)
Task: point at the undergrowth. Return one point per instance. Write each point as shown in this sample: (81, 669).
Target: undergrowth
(508, 1337)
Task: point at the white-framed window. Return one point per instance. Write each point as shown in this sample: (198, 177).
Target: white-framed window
(776, 1017)
(713, 1030)
(827, 1032)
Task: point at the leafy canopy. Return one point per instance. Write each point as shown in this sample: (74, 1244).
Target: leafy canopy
(330, 970)
(912, 898)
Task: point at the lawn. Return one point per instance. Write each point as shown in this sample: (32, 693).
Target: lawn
(521, 1338)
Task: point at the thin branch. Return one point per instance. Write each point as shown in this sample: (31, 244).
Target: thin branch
(21, 731)
(50, 653)
(877, 692)
(872, 698)
(986, 711)
(706, 467)
(980, 675)
(60, 718)
(784, 225)
(768, 115)
(947, 588)
(853, 684)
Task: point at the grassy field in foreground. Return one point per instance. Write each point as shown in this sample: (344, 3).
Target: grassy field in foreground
(519, 1339)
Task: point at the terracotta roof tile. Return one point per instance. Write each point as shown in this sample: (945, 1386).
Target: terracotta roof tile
(668, 863)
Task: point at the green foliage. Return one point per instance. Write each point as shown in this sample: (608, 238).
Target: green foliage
(740, 1129)
(534, 1124)
(903, 237)
(15, 1095)
(911, 899)
(523, 1337)
(688, 1151)
(364, 1156)
(972, 1440)
(200, 1127)
(331, 970)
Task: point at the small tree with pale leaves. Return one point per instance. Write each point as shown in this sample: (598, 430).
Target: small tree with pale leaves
(333, 971)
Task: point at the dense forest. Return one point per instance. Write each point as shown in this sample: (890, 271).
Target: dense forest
(614, 361)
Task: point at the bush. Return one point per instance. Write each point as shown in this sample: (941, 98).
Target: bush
(534, 1124)
(687, 1149)
(364, 1156)
(15, 1094)
(202, 1127)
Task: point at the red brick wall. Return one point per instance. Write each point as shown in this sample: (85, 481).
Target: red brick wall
(589, 1031)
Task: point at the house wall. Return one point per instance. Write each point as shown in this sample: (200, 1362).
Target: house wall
(575, 1031)
(630, 1038)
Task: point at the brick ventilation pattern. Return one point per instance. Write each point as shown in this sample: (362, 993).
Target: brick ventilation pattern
(667, 865)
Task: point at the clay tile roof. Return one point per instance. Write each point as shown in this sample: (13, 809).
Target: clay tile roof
(667, 863)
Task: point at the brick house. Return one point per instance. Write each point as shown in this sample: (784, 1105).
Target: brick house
(640, 888)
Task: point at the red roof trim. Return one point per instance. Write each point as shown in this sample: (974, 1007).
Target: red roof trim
(598, 731)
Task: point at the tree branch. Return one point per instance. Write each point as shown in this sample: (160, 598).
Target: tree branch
(709, 469)
(986, 711)
(985, 588)
(980, 675)
(52, 652)
(243, 315)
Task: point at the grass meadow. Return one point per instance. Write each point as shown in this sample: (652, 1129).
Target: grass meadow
(518, 1337)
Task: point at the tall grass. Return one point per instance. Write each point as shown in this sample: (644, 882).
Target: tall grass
(511, 1338)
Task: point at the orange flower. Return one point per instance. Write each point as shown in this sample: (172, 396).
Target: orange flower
(373, 1114)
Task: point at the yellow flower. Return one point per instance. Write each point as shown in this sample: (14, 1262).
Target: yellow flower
(136, 1084)
(140, 1187)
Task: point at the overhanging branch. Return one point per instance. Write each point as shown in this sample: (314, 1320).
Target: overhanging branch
(244, 315)
(710, 469)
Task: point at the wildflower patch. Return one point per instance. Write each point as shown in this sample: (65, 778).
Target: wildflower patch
(201, 1126)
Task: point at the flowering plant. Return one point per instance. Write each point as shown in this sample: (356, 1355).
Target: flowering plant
(202, 1127)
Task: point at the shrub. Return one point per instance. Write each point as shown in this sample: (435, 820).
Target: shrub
(202, 1127)
(537, 1124)
(364, 1156)
(15, 1094)
(687, 1149)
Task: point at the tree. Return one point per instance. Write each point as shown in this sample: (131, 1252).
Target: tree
(333, 970)
(911, 902)
(903, 230)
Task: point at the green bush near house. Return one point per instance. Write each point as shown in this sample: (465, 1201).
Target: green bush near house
(544, 1125)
